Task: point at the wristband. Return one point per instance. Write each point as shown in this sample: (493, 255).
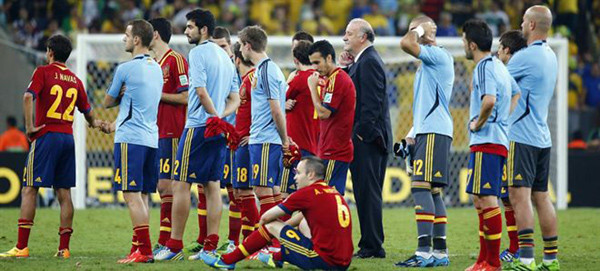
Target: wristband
(420, 31)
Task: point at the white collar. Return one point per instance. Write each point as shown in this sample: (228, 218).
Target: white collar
(359, 54)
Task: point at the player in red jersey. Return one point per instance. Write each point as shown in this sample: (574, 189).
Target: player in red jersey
(301, 119)
(241, 180)
(323, 215)
(51, 160)
(171, 118)
(335, 107)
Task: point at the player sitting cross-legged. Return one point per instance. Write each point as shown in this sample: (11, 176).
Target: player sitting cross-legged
(319, 236)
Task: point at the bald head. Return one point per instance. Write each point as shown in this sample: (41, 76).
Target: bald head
(542, 17)
(364, 27)
(421, 19)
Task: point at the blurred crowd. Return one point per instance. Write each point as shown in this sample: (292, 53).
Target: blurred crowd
(31, 22)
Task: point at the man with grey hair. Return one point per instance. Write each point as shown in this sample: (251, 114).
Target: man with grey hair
(535, 69)
(372, 133)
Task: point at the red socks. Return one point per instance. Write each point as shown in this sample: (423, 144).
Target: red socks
(166, 203)
(65, 237)
(482, 247)
(24, 230)
(201, 215)
(266, 203)
(511, 228)
(257, 240)
(235, 217)
(134, 243)
(249, 214)
(143, 239)
(211, 242)
(175, 245)
(492, 221)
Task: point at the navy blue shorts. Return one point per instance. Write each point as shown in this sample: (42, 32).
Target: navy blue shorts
(167, 153)
(485, 174)
(199, 159)
(288, 184)
(504, 189)
(298, 250)
(266, 164)
(51, 162)
(242, 168)
(228, 168)
(336, 173)
(136, 168)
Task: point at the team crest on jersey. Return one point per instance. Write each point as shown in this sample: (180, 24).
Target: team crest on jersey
(243, 95)
(165, 70)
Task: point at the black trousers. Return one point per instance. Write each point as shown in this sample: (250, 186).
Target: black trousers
(368, 171)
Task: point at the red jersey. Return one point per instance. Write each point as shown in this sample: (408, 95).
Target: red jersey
(302, 121)
(171, 117)
(57, 91)
(328, 218)
(339, 96)
(243, 117)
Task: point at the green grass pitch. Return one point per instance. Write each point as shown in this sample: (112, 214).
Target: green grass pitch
(102, 236)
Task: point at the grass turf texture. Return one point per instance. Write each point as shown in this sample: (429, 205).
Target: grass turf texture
(102, 236)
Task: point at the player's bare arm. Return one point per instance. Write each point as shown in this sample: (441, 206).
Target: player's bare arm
(90, 117)
(30, 129)
(232, 104)
(205, 100)
(176, 99)
(271, 215)
(279, 122)
(410, 41)
(513, 101)
(487, 105)
(295, 220)
(313, 81)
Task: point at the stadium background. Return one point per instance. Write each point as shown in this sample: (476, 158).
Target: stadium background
(27, 23)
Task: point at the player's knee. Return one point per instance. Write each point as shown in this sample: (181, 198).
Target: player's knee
(487, 201)
(29, 192)
(541, 198)
(262, 191)
(63, 195)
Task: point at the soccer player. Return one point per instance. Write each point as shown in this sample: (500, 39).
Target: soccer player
(241, 181)
(136, 132)
(51, 159)
(200, 159)
(302, 122)
(335, 107)
(510, 42)
(268, 135)
(171, 118)
(323, 239)
(432, 128)
(222, 38)
(535, 69)
(488, 131)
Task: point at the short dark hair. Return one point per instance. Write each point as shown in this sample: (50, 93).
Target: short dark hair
(314, 164)
(301, 52)
(163, 27)
(202, 18)
(303, 35)
(513, 40)
(255, 36)
(323, 47)
(238, 54)
(11, 121)
(478, 32)
(142, 29)
(61, 47)
(222, 32)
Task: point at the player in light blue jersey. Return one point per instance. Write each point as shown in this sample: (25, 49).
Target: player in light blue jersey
(136, 87)
(222, 37)
(535, 69)
(268, 134)
(200, 159)
(431, 136)
(488, 130)
(510, 43)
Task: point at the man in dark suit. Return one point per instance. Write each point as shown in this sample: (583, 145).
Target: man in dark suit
(372, 135)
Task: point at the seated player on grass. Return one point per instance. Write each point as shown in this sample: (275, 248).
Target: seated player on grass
(319, 236)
